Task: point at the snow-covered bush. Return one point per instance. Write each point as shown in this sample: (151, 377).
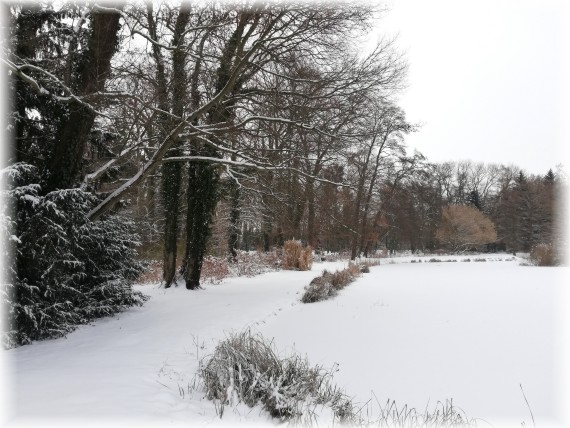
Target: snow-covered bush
(246, 368)
(328, 284)
(66, 269)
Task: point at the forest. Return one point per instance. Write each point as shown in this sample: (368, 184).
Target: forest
(169, 132)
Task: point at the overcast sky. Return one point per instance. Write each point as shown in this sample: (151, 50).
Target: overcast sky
(488, 79)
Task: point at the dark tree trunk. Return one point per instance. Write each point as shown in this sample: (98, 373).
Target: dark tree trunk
(171, 175)
(172, 172)
(311, 229)
(66, 162)
(201, 199)
(234, 221)
(28, 23)
(203, 179)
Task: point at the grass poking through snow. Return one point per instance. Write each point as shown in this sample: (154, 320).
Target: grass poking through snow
(246, 368)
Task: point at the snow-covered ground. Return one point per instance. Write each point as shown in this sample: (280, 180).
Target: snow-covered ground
(412, 332)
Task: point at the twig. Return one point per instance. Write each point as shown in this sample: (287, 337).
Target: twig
(529, 409)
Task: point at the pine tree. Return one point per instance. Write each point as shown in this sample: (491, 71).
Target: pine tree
(65, 270)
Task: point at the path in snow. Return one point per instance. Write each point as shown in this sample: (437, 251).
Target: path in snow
(129, 367)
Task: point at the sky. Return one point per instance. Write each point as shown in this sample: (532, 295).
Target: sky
(488, 80)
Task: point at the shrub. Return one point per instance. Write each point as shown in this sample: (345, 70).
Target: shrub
(320, 288)
(463, 226)
(246, 368)
(66, 270)
(543, 255)
(328, 284)
(297, 257)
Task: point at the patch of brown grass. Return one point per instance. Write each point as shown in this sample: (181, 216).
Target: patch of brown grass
(296, 257)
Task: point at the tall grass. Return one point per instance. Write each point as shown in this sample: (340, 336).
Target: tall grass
(296, 256)
(245, 368)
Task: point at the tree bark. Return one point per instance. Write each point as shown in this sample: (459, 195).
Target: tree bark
(66, 163)
(172, 172)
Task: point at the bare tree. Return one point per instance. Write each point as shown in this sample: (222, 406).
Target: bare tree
(463, 227)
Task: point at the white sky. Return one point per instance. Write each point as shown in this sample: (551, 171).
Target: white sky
(488, 79)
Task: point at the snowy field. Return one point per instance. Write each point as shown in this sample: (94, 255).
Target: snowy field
(412, 332)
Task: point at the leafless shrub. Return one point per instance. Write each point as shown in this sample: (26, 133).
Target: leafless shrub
(152, 273)
(480, 260)
(214, 269)
(246, 368)
(463, 226)
(254, 263)
(543, 255)
(296, 257)
(434, 260)
(328, 284)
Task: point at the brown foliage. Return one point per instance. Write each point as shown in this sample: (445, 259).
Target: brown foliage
(297, 257)
(464, 226)
(543, 255)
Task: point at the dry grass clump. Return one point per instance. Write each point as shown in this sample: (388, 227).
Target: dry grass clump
(245, 368)
(297, 257)
(328, 284)
(543, 255)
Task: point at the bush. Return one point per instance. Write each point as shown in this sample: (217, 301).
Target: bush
(245, 368)
(543, 255)
(328, 284)
(320, 288)
(297, 257)
(65, 270)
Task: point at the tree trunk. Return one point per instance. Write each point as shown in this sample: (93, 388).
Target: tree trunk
(203, 179)
(201, 199)
(66, 162)
(311, 229)
(234, 221)
(172, 172)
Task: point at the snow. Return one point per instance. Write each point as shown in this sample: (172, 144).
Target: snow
(413, 332)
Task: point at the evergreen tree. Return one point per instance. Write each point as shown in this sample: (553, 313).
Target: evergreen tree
(65, 269)
(473, 199)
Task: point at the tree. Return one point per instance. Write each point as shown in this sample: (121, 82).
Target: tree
(65, 270)
(463, 227)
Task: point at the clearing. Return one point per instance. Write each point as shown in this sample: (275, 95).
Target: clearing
(411, 332)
